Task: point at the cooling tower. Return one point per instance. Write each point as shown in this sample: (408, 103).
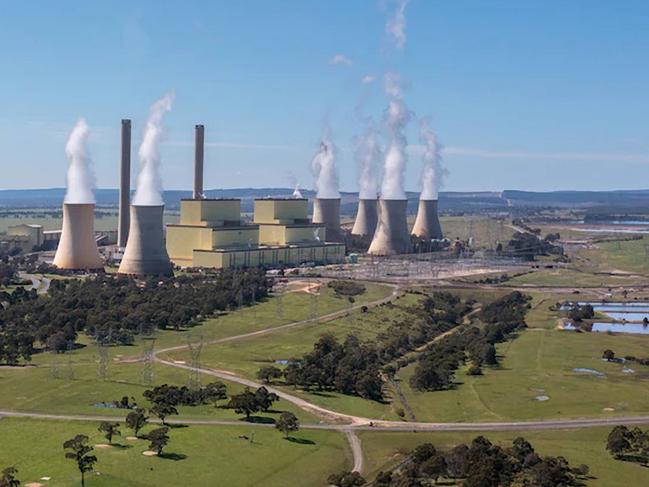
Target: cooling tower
(124, 184)
(427, 222)
(199, 152)
(77, 248)
(391, 236)
(145, 252)
(327, 211)
(366, 218)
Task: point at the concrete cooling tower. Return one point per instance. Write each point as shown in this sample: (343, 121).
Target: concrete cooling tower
(327, 211)
(427, 222)
(391, 236)
(77, 248)
(145, 252)
(366, 218)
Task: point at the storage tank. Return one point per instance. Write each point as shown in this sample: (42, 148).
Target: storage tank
(145, 252)
(391, 236)
(77, 248)
(427, 224)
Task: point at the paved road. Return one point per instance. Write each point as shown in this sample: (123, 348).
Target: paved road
(378, 426)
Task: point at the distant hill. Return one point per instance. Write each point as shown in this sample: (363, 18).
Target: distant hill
(466, 201)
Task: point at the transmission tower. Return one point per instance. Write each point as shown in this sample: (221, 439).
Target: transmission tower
(146, 376)
(102, 361)
(195, 349)
(279, 299)
(314, 304)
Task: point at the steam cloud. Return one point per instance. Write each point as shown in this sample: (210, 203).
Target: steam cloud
(395, 26)
(324, 168)
(148, 190)
(80, 177)
(367, 154)
(297, 194)
(397, 117)
(432, 172)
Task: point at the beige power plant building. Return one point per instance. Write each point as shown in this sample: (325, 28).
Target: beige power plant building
(210, 234)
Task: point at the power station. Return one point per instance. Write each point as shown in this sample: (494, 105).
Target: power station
(77, 248)
(326, 211)
(145, 252)
(211, 232)
(391, 236)
(427, 224)
(366, 218)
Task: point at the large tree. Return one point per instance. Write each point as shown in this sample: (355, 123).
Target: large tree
(78, 450)
(8, 477)
(109, 429)
(136, 420)
(158, 439)
(287, 423)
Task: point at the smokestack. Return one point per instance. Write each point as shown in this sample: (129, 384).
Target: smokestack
(124, 185)
(145, 252)
(366, 218)
(391, 236)
(199, 151)
(427, 224)
(327, 211)
(77, 248)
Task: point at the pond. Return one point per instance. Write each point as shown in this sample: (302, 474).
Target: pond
(627, 315)
(637, 328)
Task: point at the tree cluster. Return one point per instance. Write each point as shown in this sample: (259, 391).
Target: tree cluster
(351, 367)
(631, 445)
(112, 310)
(347, 288)
(483, 464)
(528, 246)
(436, 367)
(581, 312)
(165, 398)
(249, 402)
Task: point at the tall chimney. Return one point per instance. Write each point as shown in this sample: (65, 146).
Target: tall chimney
(199, 150)
(124, 185)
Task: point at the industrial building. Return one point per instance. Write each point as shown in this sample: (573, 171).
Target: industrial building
(210, 234)
(23, 236)
(427, 224)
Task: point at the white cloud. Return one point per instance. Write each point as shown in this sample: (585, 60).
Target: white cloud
(367, 79)
(395, 26)
(340, 60)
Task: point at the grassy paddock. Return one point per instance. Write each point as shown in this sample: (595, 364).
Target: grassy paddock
(586, 446)
(540, 363)
(205, 456)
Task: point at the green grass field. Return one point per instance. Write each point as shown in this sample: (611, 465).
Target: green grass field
(245, 357)
(206, 455)
(572, 278)
(106, 222)
(486, 232)
(540, 363)
(628, 256)
(587, 446)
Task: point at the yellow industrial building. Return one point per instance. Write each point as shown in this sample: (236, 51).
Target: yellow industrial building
(210, 234)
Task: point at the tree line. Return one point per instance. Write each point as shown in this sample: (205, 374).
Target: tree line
(353, 366)
(113, 310)
(502, 318)
(483, 464)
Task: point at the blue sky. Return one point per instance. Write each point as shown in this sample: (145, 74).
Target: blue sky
(538, 95)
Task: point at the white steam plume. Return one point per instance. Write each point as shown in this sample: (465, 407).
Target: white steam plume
(148, 190)
(297, 194)
(432, 173)
(80, 178)
(324, 169)
(395, 26)
(397, 117)
(367, 152)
